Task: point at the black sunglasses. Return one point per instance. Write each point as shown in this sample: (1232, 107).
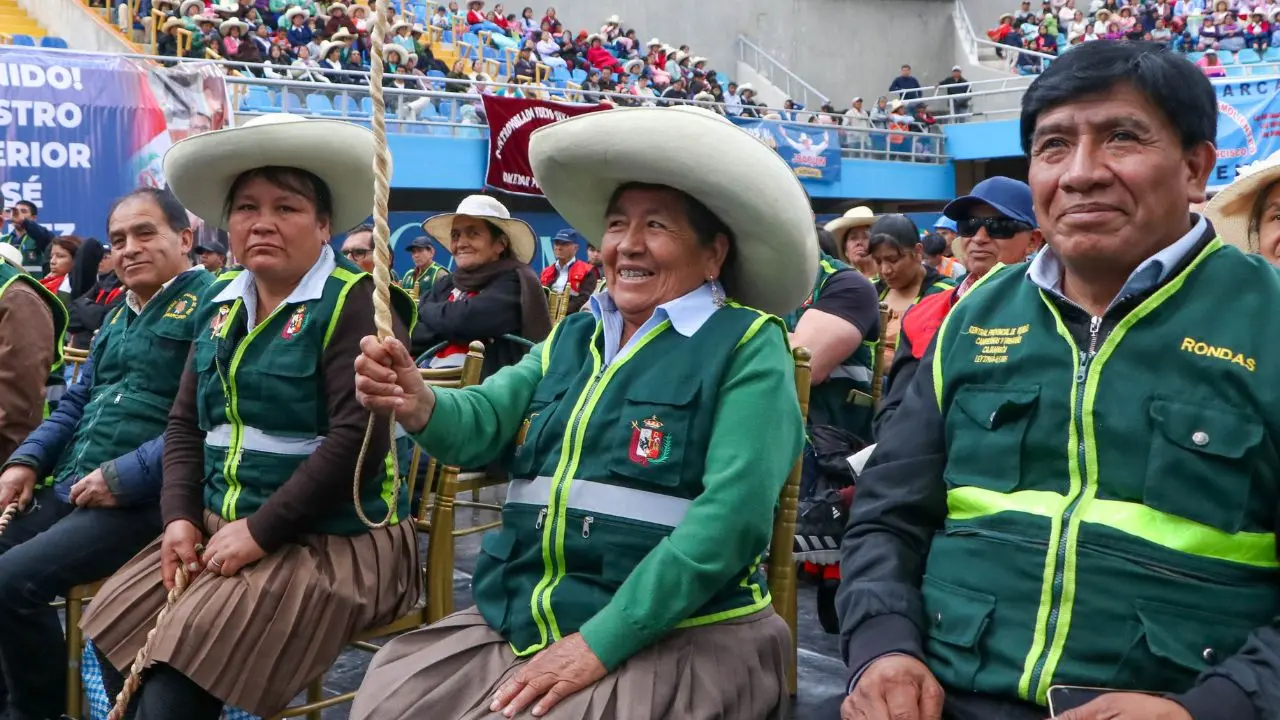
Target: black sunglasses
(998, 228)
(356, 253)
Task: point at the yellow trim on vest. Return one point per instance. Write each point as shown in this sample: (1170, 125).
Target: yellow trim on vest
(546, 347)
(942, 330)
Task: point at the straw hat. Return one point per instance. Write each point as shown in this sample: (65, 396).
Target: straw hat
(395, 27)
(861, 216)
(172, 22)
(341, 35)
(1006, 15)
(294, 11)
(488, 209)
(11, 255)
(190, 4)
(326, 47)
(338, 6)
(417, 29)
(745, 87)
(681, 55)
(613, 20)
(636, 63)
(1231, 209)
(225, 27)
(593, 37)
(697, 59)
(579, 164)
(201, 169)
(654, 43)
(393, 48)
(704, 97)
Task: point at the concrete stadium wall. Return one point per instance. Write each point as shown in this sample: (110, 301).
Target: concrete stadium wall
(841, 47)
(82, 28)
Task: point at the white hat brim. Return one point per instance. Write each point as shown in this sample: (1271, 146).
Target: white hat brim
(579, 164)
(201, 169)
(1231, 208)
(843, 224)
(518, 231)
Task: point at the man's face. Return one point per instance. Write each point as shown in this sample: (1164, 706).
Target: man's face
(906, 70)
(984, 248)
(422, 257)
(1111, 181)
(946, 234)
(564, 251)
(358, 247)
(22, 213)
(593, 256)
(147, 250)
(211, 261)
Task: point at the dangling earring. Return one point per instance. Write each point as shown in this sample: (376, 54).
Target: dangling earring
(717, 292)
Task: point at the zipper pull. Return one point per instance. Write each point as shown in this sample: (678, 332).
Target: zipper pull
(1084, 366)
(542, 515)
(586, 526)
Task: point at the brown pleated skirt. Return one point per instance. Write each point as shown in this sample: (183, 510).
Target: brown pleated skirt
(734, 670)
(256, 639)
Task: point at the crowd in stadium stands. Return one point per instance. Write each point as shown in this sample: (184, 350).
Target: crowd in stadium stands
(1215, 35)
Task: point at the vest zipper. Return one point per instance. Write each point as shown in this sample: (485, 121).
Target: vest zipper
(1064, 535)
(542, 515)
(586, 526)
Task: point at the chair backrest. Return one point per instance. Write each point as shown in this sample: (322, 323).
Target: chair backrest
(782, 566)
(468, 373)
(877, 362)
(53, 42)
(558, 305)
(23, 40)
(75, 359)
(319, 102)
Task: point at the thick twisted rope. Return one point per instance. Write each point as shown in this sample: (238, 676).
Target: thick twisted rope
(7, 515)
(134, 681)
(382, 258)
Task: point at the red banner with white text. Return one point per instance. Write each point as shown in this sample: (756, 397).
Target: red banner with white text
(511, 122)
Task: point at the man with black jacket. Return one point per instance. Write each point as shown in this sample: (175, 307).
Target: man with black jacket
(29, 236)
(1083, 490)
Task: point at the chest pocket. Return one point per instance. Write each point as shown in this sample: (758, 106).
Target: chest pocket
(285, 382)
(985, 430)
(654, 432)
(533, 447)
(1199, 464)
(168, 344)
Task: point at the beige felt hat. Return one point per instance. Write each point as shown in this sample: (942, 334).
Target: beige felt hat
(861, 216)
(1231, 209)
(201, 169)
(489, 209)
(580, 164)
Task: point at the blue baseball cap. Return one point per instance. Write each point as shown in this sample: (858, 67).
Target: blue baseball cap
(945, 223)
(1011, 198)
(422, 242)
(568, 235)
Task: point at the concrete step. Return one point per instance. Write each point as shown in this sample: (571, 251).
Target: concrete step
(24, 28)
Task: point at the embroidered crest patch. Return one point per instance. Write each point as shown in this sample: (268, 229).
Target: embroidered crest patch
(219, 320)
(296, 321)
(182, 308)
(649, 443)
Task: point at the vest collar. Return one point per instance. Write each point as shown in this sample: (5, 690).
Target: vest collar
(311, 287)
(135, 303)
(687, 313)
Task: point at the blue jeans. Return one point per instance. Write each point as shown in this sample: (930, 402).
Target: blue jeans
(47, 550)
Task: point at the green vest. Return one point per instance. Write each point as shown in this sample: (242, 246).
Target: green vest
(832, 402)
(1110, 510)
(419, 283)
(261, 400)
(619, 450)
(137, 363)
(55, 383)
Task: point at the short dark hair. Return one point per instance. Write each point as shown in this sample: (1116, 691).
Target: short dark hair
(175, 215)
(895, 230)
(1172, 83)
(35, 211)
(827, 242)
(70, 243)
(295, 180)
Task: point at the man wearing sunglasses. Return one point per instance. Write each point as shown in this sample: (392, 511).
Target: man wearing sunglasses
(358, 247)
(996, 224)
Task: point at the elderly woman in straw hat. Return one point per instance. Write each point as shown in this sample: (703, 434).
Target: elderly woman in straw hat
(263, 439)
(852, 233)
(642, 494)
(1247, 212)
(491, 292)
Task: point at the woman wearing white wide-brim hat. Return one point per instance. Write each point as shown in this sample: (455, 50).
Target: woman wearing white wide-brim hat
(263, 439)
(852, 233)
(1246, 213)
(491, 291)
(640, 500)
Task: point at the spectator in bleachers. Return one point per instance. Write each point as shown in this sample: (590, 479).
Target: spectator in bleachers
(1257, 34)
(525, 67)
(458, 72)
(299, 33)
(1100, 20)
(956, 84)
(1222, 11)
(331, 61)
(190, 11)
(167, 38)
(1161, 33)
(206, 35)
(62, 256)
(476, 20)
(1246, 213)
(360, 18)
(732, 101)
(27, 234)
(1025, 15)
(611, 30)
(1000, 33)
(1066, 13)
(338, 18)
(1231, 34)
(1211, 65)
(1208, 35)
(527, 24)
(598, 56)
(551, 22)
(1047, 41)
(747, 96)
(907, 84)
(440, 19)
(278, 64)
(675, 92)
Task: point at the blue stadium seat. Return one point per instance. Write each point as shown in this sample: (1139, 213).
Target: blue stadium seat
(420, 14)
(560, 74)
(1249, 56)
(319, 104)
(445, 109)
(471, 39)
(24, 40)
(53, 42)
(1226, 57)
(1271, 55)
(447, 37)
(1236, 71)
(1195, 56)
(470, 132)
(435, 73)
(429, 112)
(439, 130)
(348, 107)
(367, 105)
(491, 53)
(579, 75)
(259, 100)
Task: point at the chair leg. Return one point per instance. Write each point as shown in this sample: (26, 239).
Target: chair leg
(75, 648)
(315, 693)
(440, 548)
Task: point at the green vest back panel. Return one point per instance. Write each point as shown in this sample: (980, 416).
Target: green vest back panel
(630, 437)
(261, 400)
(137, 365)
(1110, 516)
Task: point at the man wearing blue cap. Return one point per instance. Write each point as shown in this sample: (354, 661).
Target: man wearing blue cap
(419, 280)
(946, 227)
(568, 272)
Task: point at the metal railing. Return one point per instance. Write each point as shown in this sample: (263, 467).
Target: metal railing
(964, 28)
(778, 74)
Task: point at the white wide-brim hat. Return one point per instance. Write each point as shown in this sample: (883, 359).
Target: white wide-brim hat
(201, 169)
(393, 48)
(395, 28)
(745, 87)
(326, 47)
(190, 3)
(612, 20)
(654, 43)
(11, 254)
(861, 216)
(579, 164)
(342, 34)
(171, 22)
(483, 207)
(697, 59)
(594, 36)
(636, 63)
(1231, 209)
(337, 6)
(291, 12)
(225, 27)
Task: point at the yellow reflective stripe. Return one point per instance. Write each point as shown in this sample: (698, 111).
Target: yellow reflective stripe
(546, 347)
(337, 309)
(942, 329)
(1159, 528)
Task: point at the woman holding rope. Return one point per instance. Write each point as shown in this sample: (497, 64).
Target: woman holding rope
(651, 438)
(263, 440)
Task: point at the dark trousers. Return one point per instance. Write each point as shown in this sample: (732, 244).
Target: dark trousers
(47, 550)
(165, 694)
(964, 706)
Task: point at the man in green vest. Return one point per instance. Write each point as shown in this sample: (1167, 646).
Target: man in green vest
(29, 236)
(419, 280)
(89, 476)
(1082, 492)
(32, 324)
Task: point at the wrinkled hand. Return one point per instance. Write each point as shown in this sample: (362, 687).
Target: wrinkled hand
(92, 491)
(894, 687)
(180, 546)
(388, 381)
(1128, 706)
(554, 674)
(17, 483)
(231, 549)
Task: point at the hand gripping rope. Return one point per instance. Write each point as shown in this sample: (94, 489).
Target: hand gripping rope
(7, 515)
(382, 320)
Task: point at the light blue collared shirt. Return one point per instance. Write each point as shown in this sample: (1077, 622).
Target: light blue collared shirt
(687, 314)
(1046, 269)
(311, 287)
